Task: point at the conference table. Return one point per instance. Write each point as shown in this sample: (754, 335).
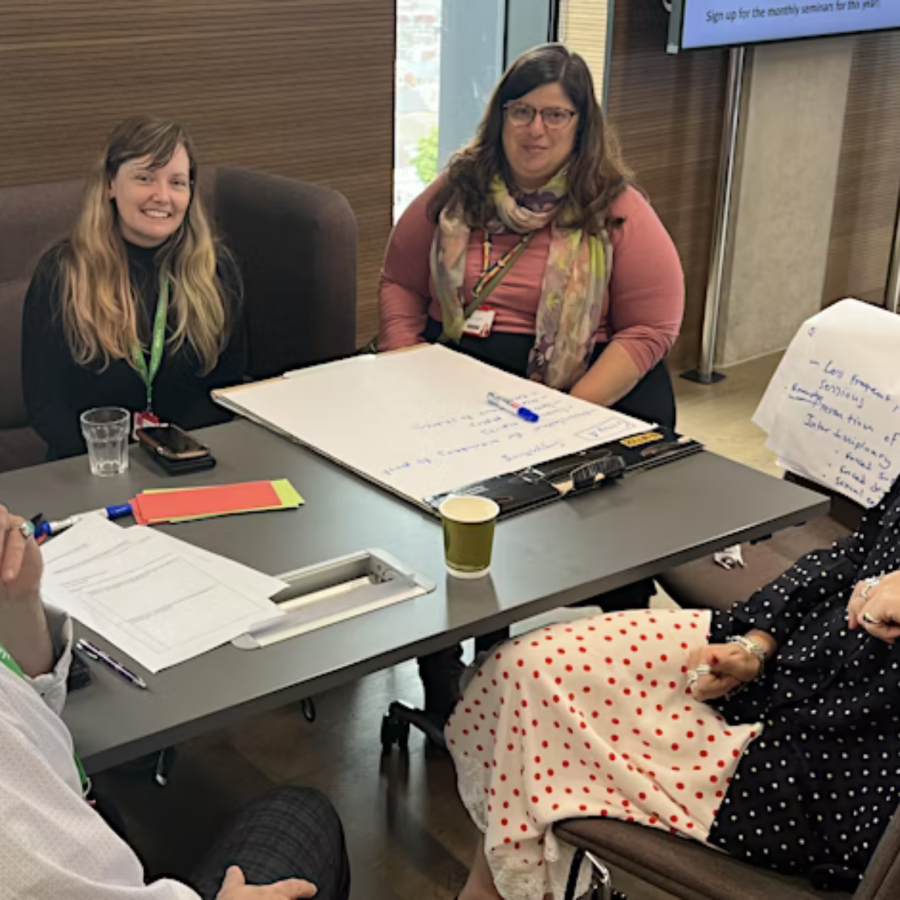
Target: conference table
(549, 557)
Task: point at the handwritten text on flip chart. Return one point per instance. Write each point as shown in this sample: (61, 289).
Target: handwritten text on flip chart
(859, 420)
(419, 422)
(832, 409)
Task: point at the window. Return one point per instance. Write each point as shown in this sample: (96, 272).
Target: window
(417, 99)
(585, 27)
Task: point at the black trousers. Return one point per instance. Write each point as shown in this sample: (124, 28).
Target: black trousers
(651, 399)
(290, 833)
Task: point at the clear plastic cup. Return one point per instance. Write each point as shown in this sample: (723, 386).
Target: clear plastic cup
(106, 432)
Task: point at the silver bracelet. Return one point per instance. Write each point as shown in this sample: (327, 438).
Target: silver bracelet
(754, 648)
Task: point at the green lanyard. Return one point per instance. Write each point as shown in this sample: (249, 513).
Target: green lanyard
(13, 667)
(157, 344)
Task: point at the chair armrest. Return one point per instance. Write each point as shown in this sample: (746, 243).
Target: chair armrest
(882, 879)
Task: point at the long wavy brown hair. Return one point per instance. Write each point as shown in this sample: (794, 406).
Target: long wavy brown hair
(99, 307)
(596, 173)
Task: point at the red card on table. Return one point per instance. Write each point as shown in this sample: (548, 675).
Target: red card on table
(213, 500)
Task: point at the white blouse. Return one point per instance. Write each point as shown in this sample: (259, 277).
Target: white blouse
(52, 843)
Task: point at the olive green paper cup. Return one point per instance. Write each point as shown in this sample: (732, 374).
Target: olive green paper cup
(468, 535)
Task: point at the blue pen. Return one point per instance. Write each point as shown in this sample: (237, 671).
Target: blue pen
(117, 512)
(95, 653)
(46, 528)
(512, 407)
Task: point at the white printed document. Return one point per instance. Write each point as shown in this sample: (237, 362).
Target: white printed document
(832, 409)
(158, 599)
(419, 422)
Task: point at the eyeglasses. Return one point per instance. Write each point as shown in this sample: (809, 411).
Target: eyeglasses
(522, 114)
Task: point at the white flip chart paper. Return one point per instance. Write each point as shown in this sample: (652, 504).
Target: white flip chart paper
(832, 409)
(419, 422)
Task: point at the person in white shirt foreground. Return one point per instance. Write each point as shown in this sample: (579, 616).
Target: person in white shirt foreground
(53, 844)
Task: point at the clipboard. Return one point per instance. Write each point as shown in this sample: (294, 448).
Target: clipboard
(575, 474)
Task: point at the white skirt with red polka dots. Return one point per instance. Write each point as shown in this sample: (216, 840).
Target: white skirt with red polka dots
(589, 718)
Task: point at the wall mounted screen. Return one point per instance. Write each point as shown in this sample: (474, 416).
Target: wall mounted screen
(717, 23)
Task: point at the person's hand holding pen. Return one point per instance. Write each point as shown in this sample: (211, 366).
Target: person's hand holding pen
(23, 625)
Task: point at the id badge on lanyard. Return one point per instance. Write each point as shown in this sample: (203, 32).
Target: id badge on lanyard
(157, 348)
(480, 322)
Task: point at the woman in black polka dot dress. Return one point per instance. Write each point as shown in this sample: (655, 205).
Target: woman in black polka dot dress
(626, 716)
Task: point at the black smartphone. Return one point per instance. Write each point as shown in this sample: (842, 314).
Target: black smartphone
(171, 442)
(174, 449)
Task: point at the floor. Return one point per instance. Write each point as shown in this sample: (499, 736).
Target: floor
(408, 835)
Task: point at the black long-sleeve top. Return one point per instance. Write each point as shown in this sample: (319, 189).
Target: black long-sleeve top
(820, 784)
(57, 389)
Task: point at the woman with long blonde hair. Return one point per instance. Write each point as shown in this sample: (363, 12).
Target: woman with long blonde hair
(140, 307)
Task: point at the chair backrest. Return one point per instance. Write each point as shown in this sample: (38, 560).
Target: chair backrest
(32, 219)
(295, 244)
(882, 880)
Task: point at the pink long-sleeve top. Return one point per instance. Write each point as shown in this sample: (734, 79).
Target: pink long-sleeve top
(642, 308)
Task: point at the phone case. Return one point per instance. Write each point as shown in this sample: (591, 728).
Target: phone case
(179, 466)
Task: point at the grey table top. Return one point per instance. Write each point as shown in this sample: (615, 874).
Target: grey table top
(553, 556)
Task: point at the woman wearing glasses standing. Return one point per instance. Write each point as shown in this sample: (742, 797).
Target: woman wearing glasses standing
(536, 225)
(140, 307)
(537, 222)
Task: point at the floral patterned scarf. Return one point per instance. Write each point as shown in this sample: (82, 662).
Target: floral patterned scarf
(575, 278)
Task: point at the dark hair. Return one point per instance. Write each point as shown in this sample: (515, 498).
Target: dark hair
(596, 174)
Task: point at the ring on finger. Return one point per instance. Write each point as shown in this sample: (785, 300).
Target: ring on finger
(26, 529)
(868, 584)
(869, 619)
(693, 675)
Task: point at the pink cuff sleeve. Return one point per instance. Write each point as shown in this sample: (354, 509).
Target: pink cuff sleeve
(646, 292)
(404, 290)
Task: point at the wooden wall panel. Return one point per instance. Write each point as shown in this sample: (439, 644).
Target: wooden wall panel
(667, 111)
(869, 176)
(294, 87)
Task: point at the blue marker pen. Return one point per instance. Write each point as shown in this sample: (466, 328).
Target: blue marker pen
(117, 512)
(49, 529)
(512, 407)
